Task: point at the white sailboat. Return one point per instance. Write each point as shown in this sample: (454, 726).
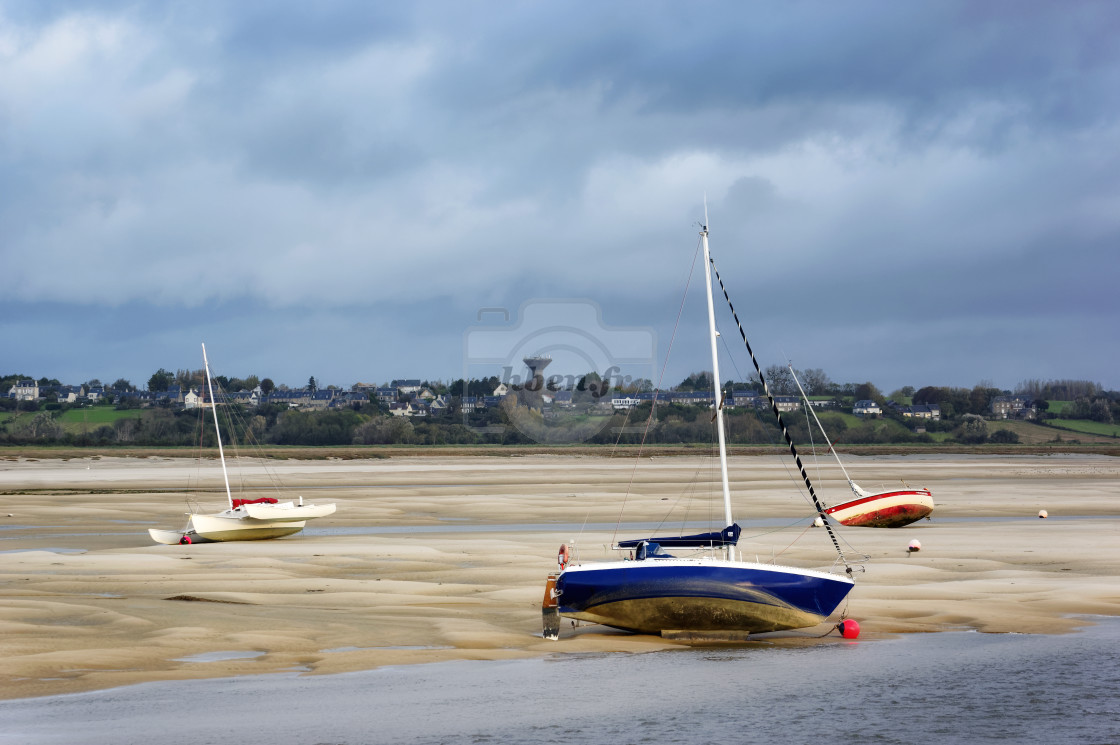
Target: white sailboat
(890, 508)
(713, 590)
(245, 519)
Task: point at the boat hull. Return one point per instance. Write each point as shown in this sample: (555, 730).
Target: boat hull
(222, 528)
(658, 595)
(887, 510)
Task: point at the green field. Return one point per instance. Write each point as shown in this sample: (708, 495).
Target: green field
(1088, 427)
(75, 421)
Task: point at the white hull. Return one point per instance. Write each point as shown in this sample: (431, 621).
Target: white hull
(227, 526)
(166, 537)
(887, 510)
(232, 526)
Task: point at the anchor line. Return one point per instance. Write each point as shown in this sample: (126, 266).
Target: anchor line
(781, 423)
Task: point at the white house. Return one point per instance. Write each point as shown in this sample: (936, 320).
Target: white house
(866, 407)
(407, 387)
(25, 390)
(624, 401)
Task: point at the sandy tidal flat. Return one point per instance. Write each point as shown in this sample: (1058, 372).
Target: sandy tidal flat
(431, 559)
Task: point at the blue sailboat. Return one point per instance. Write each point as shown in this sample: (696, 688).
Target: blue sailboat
(712, 590)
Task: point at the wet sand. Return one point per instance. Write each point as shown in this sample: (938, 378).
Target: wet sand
(90, 602)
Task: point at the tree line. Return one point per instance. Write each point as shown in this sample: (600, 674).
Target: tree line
(519, 419)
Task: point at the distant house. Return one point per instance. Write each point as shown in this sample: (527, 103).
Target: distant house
(248, 398)
(191, 399)
(95, 393)
(691, 398)
(438, 406)
(349, 398)
(741, 399)
(386, 395)
(321, 399)
(501, 390)
(24, 390)
(68, 394)
(931, 412)
(407, 387)
(562, 399)
(415, 407)
(787, 403)
(866, 407)
(173, 396)
(143, 398)
(624, 401)
(1017, 407)
(302, 398)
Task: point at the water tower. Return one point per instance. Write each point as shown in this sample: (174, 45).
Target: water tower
(536, 365)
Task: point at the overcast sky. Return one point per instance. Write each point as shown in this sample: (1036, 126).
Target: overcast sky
(902, 193)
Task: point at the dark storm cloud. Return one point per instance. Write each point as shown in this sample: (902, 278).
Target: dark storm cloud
(888, 178)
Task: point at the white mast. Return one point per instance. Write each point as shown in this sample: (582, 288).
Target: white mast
(217, 431)
(712, 333)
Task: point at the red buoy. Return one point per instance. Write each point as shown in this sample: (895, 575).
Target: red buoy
(849, 628)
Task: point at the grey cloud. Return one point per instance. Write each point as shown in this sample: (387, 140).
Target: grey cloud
(868, 163)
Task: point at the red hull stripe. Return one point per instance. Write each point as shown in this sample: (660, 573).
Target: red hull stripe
(885, 495)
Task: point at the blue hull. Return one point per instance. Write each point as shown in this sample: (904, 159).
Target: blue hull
(699, 595)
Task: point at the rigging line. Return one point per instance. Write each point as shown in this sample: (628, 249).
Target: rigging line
(781, 423)
(812, 442)
(795, 540)
(657, 389)
(785, 464)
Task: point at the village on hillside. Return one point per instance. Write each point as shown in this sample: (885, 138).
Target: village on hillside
(414, 398)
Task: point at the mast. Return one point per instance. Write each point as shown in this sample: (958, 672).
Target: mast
(712, 334)
(782, 426)
(855, 487)
(217, 430)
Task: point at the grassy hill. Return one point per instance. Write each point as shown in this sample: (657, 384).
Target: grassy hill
(1084, 427)
(1036, 434)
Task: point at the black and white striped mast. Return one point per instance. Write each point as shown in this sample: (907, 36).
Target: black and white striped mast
(774, 407)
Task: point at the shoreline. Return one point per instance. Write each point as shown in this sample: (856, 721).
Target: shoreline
(91, 603)
(1100, 446)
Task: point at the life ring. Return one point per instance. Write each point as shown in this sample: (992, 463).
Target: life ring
(563, 556)
(185, 540)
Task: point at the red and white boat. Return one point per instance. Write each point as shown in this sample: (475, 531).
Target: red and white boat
(892, 509)
(888, 509)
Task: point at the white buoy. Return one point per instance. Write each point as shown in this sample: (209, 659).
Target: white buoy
(1042, 514)
(818, 523)
(915, 545)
